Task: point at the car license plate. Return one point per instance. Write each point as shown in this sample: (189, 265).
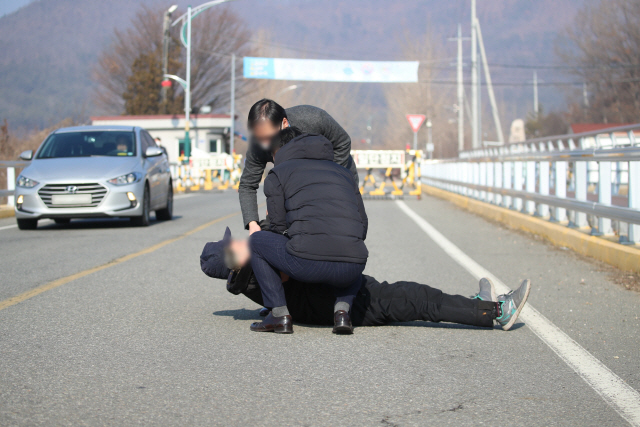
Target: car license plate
(71, 199)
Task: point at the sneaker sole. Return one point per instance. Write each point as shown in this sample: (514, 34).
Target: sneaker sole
(519, 309)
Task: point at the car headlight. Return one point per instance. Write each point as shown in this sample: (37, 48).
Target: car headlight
(129, 178)
(25, 182)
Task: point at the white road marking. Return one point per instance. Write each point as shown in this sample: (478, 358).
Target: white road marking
(6, 227)
(624, 399)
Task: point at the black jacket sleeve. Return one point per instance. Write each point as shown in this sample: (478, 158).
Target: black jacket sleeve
(275, 204)
(250, 181)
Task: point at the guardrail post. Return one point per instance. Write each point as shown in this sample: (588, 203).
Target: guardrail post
(634, 199)
(506, 183)
(560, 214)
(11, 184)
(490, 175)
(483, 180)
(604, 196)
(543, 184)
(498, 183)
(518, 181)
(530, 186)
(580, 218)
(476, 179)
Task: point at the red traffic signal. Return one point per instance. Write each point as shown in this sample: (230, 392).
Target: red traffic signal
(166, 83)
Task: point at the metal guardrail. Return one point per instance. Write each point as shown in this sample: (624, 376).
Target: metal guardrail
(536, 176)
(11, 166)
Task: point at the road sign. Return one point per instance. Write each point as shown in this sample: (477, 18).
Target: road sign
(416, 120)
(215, 161)
(366, 159)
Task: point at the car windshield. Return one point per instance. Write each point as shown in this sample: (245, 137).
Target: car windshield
(89, 143)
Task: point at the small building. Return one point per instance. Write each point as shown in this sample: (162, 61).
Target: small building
(209, 132)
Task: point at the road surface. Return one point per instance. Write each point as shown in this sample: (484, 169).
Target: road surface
(105, 324)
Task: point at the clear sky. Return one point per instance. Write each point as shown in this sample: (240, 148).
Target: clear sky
(8, 6)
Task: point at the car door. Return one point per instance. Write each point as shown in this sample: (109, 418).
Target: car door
(153, 165)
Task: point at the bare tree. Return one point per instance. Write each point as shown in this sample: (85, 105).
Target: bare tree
(604, 45)
(424, 97)
(216, 34)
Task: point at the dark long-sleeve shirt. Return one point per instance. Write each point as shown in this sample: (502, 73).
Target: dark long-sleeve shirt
(309, 119)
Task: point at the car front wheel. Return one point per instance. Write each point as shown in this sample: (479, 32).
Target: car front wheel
(167, 213)
(143, 220)
(27, 224)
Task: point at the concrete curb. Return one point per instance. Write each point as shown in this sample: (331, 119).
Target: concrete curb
(6, 212)
(621, 256)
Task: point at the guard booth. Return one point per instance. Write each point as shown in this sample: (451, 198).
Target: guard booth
(405, 163)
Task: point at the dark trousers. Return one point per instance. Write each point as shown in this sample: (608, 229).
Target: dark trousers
(383, 303)
(269, 257)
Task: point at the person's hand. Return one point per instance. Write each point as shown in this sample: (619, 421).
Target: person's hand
(253, 227)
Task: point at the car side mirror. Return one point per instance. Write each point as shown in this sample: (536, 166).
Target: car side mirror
(27, 155)
(153, 152)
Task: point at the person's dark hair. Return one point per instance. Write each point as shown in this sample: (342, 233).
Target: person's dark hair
(266, 109)
(284, 137)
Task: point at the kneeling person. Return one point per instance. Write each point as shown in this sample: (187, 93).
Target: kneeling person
(317, 229)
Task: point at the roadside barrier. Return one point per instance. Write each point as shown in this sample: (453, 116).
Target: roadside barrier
(407, 162)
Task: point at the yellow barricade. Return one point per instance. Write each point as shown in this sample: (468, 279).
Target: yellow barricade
(390, 160)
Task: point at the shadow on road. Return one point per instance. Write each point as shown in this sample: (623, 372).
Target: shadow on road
(89, 223)
(245, 314)
(239, 314)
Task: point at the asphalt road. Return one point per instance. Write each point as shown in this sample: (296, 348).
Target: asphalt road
(149, 340)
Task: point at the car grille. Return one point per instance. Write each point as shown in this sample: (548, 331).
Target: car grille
(96, 190)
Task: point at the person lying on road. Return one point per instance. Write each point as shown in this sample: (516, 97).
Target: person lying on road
(376, 304)
(266, 119)
(318, 225)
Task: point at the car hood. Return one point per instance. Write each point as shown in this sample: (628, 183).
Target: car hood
(79, 169)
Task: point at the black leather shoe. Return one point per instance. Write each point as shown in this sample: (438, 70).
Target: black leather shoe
(264, 311)
(342, 323)
(279, 325)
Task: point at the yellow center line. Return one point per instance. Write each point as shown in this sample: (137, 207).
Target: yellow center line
(64, 280)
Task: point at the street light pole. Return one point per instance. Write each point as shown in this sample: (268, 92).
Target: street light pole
(233, 105)
(185, 37)
(187, 95)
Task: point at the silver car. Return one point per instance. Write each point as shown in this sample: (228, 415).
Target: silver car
(93, 172)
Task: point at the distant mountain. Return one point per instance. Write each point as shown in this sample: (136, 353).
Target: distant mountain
(49, 47)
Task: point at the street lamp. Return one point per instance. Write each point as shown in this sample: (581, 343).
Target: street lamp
(185, 37)
(287, 89)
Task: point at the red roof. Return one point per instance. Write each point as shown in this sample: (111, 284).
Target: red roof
(162, 116)
(592, 127)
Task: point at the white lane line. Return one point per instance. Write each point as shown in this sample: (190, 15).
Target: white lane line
(618, 394)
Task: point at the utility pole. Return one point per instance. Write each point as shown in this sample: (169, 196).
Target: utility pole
(165, 53)
(233, 104)
(585, 95)
(460, 94)
(187, 95)
(487, 75)
(535, 95)
(474, 78)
